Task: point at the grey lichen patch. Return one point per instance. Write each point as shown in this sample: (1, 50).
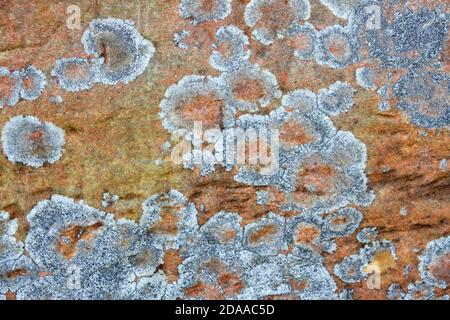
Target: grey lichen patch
(367, 235)
(262, 197)
(304, 38)
(10, 89)
(395, 292)
(341, 163)
(250, 87)
(342, 223)
(29, 141)
(192, 98)
(434, 261)
(366, 78)
(419, 291)
(10, 248)
(313, 279)
(79, 252)
(396, 42)
(162, 211)
(233, 42)
(125, 53)
(204, 10)
(337, 47)
(224, 228)
(76, 74)
(338, 98)
(33, 83)
(424, 97)
(285, 15)
(443, 165)
(305, 233)
(266, 237)
(179, 37)
(109, 199)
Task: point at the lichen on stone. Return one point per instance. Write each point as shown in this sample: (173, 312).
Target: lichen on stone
(201, 11)
(124, 52)
(29, 141)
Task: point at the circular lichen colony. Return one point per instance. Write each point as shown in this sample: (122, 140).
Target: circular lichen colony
(29, 141)
(76, 74)
(10, 87)
(204, 10)
(125, 53)
(33, 83)
(272, 19)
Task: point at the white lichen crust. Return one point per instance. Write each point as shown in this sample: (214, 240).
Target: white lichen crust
(436, 249)
(12, 98)
(125, 53)
(29, 141)
(33, 83)
(235, 40)
(200, 12)
(76, 74)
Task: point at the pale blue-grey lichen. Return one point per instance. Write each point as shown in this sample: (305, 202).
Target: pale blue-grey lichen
(235, 41)
(254, 18)
(338, 98)
(33, 83)
(340, 8)
(179, 37)
(12, 96)
(76, 74)
(307, 266)
(351, 220)
(29, 141)
(125, 53)
(109, 199)
(342, 38)
(366, 78)
(435, 250)
(195, 10)
(77, 252)
(186, 90)
(344, 157)
(367, 235)
(308, 37)
(235, 78)
(424, 97)
(266, 237)
(175, 204)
